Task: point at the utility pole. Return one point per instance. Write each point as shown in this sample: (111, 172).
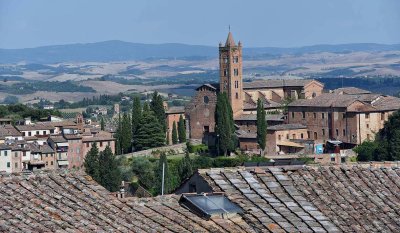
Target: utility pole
(162, 181)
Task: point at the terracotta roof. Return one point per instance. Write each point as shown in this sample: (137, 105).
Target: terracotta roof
(286, 127)
(8, 130)
(275, 83)
(40, 148)
(213, 86)
(313, 199)
(246, 134)
(57, 139)
(72, 136)
(36, 126)
(268, 104)
(351, 91)
(253, 117)
(62, 201)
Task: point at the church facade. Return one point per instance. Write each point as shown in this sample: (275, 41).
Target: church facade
(243, 97)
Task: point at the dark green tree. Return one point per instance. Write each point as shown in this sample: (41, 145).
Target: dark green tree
(126, 134)
(109, 173)
(181, 129)
(149, 133)
(174, 134)
(146, 107)
(261, 126)
(143, 169)
(157, 106)
(136, 113)
(224, 124)
(118, 136)
(366, 151)
(185, 168)
(102, 124)
(91, 163)
(159, 174)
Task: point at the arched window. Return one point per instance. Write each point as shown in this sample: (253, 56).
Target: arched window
(206, 99)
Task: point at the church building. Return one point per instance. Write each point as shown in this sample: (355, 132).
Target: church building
(243, 97)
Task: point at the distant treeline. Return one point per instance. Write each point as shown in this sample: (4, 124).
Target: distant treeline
(382, 85)
(20, 111)
(32, 87)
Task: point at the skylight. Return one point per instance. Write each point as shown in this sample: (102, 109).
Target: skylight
(211, 204)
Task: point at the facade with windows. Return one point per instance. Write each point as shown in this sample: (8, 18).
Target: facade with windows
(5, 159)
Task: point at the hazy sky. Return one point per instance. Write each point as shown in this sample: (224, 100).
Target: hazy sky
(278, 23)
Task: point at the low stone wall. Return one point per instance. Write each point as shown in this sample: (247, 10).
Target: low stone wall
(178, 148)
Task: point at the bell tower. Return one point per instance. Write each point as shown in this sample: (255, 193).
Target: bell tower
(230, 73)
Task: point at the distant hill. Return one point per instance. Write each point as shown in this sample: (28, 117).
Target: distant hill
(108, 51)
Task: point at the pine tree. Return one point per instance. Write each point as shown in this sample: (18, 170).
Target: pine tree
(91, 163)
(149, 133)
(174, 134)
(110, 176)
(185, 168)
(136, 113)
(261, 126)
(102, 124)
(181, 129)
(159, 175)
(157, 106)
(146, 107)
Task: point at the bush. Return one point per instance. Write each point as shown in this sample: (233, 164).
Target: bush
(227, 162)
(366, 151)
(202, 162)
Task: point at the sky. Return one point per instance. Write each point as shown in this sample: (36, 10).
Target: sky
(257, 23)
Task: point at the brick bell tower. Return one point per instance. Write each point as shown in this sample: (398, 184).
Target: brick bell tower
(230, 73)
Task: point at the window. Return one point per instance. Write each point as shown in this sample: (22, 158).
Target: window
(366, 115)
(52, 131)
(24, 133)
(5, 153)
(308, 134)
(344, 115)
(101, 144)
(237, 95)
(323, 132)
(16, 154)
(51, 163)
(382, 116)
(235, 59)
(279, 137)
(332, 159)
(30, 134)
(87, 144)
(314, 94)
(15, 165)
(293, 136)
(8, 164)
(235, 72)
(323, 115)
(47, 163)
(225, 72)
(367, 126)
(315, 135)
(315, 115)
(292, 114)
(236, 84)
(206, 99)
(301, 136)
(287, 136)
(304, 114)
(59, 155)
(209, 204)
(344, 132)
(44, 132)
(37, 133)
(337, 133)
(206, 128)
(226, 60)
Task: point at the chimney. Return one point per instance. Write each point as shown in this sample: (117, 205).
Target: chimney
(121, 193)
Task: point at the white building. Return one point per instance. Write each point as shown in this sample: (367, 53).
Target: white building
(5, 158)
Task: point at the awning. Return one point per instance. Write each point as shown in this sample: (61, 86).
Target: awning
(62, 162)
(62, 144)
(335, 142)
(289, 144)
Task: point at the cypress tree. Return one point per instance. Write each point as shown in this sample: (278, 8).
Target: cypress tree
(149, 133)
(146, 107)
(102, 124)
(126, 134)
(181, 129)
(157, 106)
(185, 168)
(159, 174)
(110, 176)
(261, 126)
(136, 113)
(118, 136)
(174, 134)
(224, 124)
(91, 163)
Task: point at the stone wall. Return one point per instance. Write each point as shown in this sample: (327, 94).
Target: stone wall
(178, 148)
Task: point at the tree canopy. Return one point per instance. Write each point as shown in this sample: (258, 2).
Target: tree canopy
(261, 126)
(174, 134)
(150, 133)
(224, 124)
(181, 129)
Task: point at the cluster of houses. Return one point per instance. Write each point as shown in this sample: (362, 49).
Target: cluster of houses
(302, 117)
(52, 144)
